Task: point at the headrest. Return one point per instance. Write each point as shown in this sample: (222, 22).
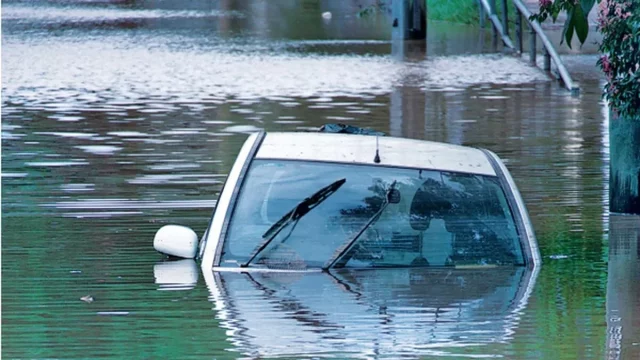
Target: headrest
(428, 202)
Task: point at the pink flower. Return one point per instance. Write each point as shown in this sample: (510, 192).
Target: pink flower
(545, 3)
(603, 14)
(620, 12)
(606, 66)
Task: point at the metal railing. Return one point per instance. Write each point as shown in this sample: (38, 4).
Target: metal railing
(501, 29)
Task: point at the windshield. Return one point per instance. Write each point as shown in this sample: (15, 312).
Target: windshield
(434, 218)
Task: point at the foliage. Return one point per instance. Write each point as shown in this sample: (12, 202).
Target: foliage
(577, 12)
(456, 11)
(378, 6)
(619, 23)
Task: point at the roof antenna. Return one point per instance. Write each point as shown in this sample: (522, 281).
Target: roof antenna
(376, 159)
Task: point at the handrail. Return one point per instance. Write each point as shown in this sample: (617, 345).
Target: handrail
(535, 29)
(497, 24)
(564, 74)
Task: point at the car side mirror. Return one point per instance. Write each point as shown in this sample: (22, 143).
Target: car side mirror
(176, 240)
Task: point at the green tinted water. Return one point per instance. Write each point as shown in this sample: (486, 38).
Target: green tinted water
(120, 118)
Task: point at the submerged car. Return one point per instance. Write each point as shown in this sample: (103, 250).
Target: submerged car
(318, 201)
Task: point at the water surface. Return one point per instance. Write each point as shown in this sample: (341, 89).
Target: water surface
(120, 117)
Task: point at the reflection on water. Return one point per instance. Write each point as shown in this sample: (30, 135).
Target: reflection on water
(623, 290)
(176, 275)
(371, 313)
(120, 117)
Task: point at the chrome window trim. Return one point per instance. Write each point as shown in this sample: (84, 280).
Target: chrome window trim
(224, 206)
(528, 241)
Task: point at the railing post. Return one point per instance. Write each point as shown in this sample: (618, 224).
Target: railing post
(535, 30)
(482, 15)
(409, 23)
(519, 31)
(532, 45)
(547, 60)
(492, 6)
(409, 19)
(505, 17)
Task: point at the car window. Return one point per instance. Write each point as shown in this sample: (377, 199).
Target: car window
(436, 219)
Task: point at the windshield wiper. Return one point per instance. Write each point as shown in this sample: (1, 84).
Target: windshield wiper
(300, 210)
(339, 259)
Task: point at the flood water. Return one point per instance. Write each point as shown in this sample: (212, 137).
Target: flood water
(121, 116)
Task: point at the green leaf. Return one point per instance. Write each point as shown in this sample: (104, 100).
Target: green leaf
(555, 11)
(567, 31)
(587, 5)
(581, 23)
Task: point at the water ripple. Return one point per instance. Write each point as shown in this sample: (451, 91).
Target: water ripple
(56, 14)
(99, 149)
(125, 204)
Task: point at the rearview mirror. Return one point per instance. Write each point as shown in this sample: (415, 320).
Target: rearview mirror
(176, 240)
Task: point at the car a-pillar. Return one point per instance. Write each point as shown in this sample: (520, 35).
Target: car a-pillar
(624, 164)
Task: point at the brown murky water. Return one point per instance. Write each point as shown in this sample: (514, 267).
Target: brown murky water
(119, 117)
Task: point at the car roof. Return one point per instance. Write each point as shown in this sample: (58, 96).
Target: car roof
(361, 149)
